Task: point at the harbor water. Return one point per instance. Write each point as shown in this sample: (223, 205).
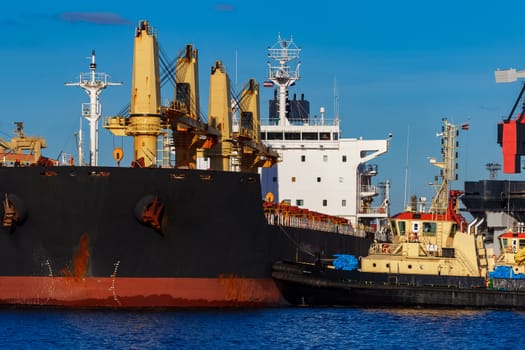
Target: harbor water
(278, 328)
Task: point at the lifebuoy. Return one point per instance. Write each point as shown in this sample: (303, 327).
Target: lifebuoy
(386, 248)
(412, 237)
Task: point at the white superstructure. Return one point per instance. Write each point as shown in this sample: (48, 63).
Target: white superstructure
(319, 170)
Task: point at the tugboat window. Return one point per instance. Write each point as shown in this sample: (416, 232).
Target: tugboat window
(394, 229)
(429, 228)
(402, 227)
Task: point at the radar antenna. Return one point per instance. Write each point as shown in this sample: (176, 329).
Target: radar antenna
(493, 169)
(283, 52)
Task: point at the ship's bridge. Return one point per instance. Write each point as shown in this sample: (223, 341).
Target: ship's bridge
(304, 135)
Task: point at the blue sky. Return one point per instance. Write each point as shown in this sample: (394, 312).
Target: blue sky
(400, 67)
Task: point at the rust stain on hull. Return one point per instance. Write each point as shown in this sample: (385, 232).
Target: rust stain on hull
(80, 260)
(123, 292)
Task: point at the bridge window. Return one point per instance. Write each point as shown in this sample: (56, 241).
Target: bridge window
(343, 203)
(275, 136)
(310, 136)
(324, 135)
(344, 159)
(303, 158)
(299, 202)
(325, 202)
(292, 136)
(429, 228)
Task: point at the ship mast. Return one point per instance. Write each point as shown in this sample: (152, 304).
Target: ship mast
(283, 52)
(93, 83)
(448, 166)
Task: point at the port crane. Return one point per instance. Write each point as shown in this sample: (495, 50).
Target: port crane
(511, 132)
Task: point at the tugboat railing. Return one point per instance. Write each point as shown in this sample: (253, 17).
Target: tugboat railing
(385, 248)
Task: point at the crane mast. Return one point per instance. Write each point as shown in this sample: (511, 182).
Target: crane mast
(192, 137)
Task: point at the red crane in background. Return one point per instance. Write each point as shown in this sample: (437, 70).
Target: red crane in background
(511, 132)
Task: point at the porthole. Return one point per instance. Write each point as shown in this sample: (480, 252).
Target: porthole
(409, 266)
(374, 264)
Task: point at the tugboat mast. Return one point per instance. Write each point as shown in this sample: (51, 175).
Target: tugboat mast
(93, 83)
(283, 52)
(448, 166)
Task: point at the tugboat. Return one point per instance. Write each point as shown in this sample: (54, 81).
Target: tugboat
(435, 259)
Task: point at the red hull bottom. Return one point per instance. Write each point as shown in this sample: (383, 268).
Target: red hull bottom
(124, 293)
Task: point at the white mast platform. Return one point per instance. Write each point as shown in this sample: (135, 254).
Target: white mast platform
(283, 52)
(93, 83)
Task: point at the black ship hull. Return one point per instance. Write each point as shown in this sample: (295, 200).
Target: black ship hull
(123, 237)
(307, 284)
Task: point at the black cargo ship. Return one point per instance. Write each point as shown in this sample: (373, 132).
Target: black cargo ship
(146, 236)
(79, 238)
